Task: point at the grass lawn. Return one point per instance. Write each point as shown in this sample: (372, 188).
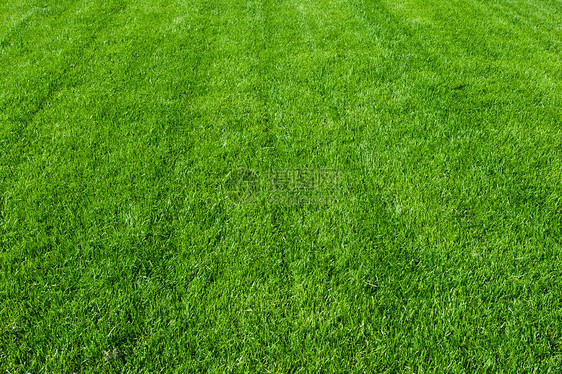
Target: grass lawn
(280, 186)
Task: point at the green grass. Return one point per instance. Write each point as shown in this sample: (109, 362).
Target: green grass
(120, 122)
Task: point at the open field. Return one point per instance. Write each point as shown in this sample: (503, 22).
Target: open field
(141, 143)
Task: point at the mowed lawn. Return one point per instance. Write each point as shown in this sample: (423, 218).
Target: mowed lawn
(121, 249)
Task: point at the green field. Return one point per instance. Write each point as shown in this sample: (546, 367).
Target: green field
(155, 214)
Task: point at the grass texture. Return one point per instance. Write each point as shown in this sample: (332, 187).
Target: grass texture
(121, 250)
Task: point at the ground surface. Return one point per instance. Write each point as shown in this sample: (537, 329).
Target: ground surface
(123, 249)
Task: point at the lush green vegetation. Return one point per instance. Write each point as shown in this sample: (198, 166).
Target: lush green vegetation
(121, 250)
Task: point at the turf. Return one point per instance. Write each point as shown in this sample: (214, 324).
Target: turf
(123, 124)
